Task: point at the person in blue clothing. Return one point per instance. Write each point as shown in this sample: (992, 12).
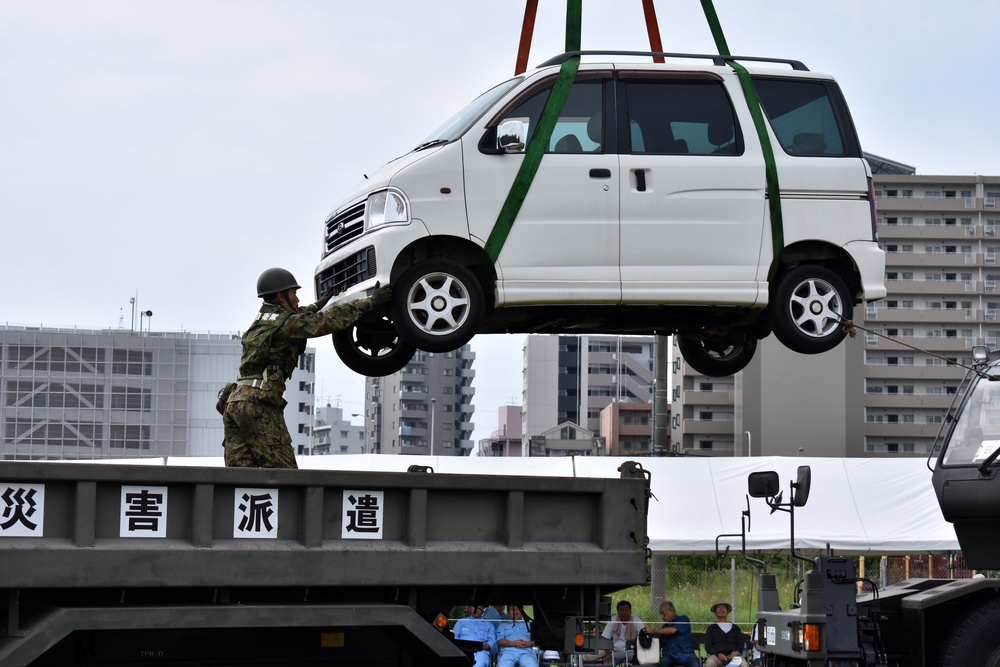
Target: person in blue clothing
(474, 628)
(515, 643)
(494, 614)
(676, 646)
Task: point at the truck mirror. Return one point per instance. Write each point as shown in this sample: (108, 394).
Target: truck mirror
(801, 486)
(511, 136)
(763, 484)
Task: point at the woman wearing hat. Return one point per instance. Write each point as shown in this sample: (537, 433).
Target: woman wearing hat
(723, 640)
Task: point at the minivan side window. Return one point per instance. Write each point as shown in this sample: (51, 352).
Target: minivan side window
(680, 117)
(803, 116)
(580, 126)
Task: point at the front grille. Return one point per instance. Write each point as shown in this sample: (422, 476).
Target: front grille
(347, 273)
(344, 226)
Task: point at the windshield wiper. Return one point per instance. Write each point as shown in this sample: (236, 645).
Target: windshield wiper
(428, 144)
(985, 466)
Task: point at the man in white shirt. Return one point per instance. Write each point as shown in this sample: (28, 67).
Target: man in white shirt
(623, 630)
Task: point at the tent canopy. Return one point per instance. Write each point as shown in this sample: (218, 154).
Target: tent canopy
(856, 506)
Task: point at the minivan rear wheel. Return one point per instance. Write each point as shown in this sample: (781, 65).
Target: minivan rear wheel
(437, 305)
(807, 308)
(717, 357)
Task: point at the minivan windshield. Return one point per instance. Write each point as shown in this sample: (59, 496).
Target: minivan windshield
(457, 125)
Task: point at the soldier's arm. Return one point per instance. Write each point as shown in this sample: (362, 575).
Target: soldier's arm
(308, 323)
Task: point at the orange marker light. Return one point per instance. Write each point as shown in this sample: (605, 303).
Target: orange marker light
(578, 641)
(441, 622)
(810, 637)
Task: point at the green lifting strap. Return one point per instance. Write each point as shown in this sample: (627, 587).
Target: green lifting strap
(536, 146)
(771, 169)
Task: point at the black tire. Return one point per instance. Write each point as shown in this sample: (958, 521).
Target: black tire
(717, 358)
(807, 306)
(373, 349)
(437, 305)
(974, 639)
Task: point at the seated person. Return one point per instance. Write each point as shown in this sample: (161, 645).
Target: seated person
(514, 641)
(675, 638)
(723, 640)
(474, 628)
(622, 631)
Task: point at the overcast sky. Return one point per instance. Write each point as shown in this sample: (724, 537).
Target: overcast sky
(175, 149)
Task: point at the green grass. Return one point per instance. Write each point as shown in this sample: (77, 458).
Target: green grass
(693, 583)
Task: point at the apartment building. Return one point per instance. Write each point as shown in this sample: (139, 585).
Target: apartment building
(425, 408)
(333, 434)
(885, 392)
(117, 393)
(571, 379)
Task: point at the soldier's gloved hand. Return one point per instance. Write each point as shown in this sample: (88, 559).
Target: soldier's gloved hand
(381, 295)
(324, 299)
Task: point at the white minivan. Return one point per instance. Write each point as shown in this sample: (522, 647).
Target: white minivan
(648, 214)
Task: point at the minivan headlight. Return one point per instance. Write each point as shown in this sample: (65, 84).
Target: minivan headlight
(386, 207)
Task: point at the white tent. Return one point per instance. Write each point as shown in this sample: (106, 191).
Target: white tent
(856, 506)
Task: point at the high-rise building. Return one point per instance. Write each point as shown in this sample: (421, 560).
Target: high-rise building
(425, 408)
(92, 394)
(885, 392)
(571, 379)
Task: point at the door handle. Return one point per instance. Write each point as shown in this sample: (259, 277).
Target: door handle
(600, 173)
(640, 180)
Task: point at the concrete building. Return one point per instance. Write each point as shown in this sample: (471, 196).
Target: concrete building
(627, 429)
(332, 434)
(506, 440)
(873, 395)
(571, 379)
(117, 393)
(425, 408)
(567, 439)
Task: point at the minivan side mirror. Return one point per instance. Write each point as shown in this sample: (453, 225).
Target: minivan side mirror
(763, 484)
(511, 136)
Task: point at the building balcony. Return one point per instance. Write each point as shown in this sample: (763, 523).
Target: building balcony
(883, 316)
(708, 427)
(922, 288)
(634, 430)
(465, 426)
(888, 207)
(932, 259)
(922, 372)
(466, 408)
(465, 354)
(708, 398)
(466, 391)
(937, 344)
(908, 401)
(900, 430)
(466, 372)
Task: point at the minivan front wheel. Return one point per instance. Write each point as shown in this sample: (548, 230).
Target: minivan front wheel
(437, 305)
(807, 308)
(716, 357)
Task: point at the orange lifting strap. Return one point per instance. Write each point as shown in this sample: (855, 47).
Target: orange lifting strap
(528, 29)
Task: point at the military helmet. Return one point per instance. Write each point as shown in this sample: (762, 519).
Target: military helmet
(275, 280)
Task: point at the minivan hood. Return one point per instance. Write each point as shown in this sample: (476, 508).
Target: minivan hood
(384, 175)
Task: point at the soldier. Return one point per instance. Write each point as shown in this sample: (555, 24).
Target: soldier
(255, 432)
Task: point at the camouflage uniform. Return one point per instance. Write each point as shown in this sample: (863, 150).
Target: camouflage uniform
(255, 432)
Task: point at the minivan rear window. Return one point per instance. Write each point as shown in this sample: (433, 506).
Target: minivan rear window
(804, 116)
